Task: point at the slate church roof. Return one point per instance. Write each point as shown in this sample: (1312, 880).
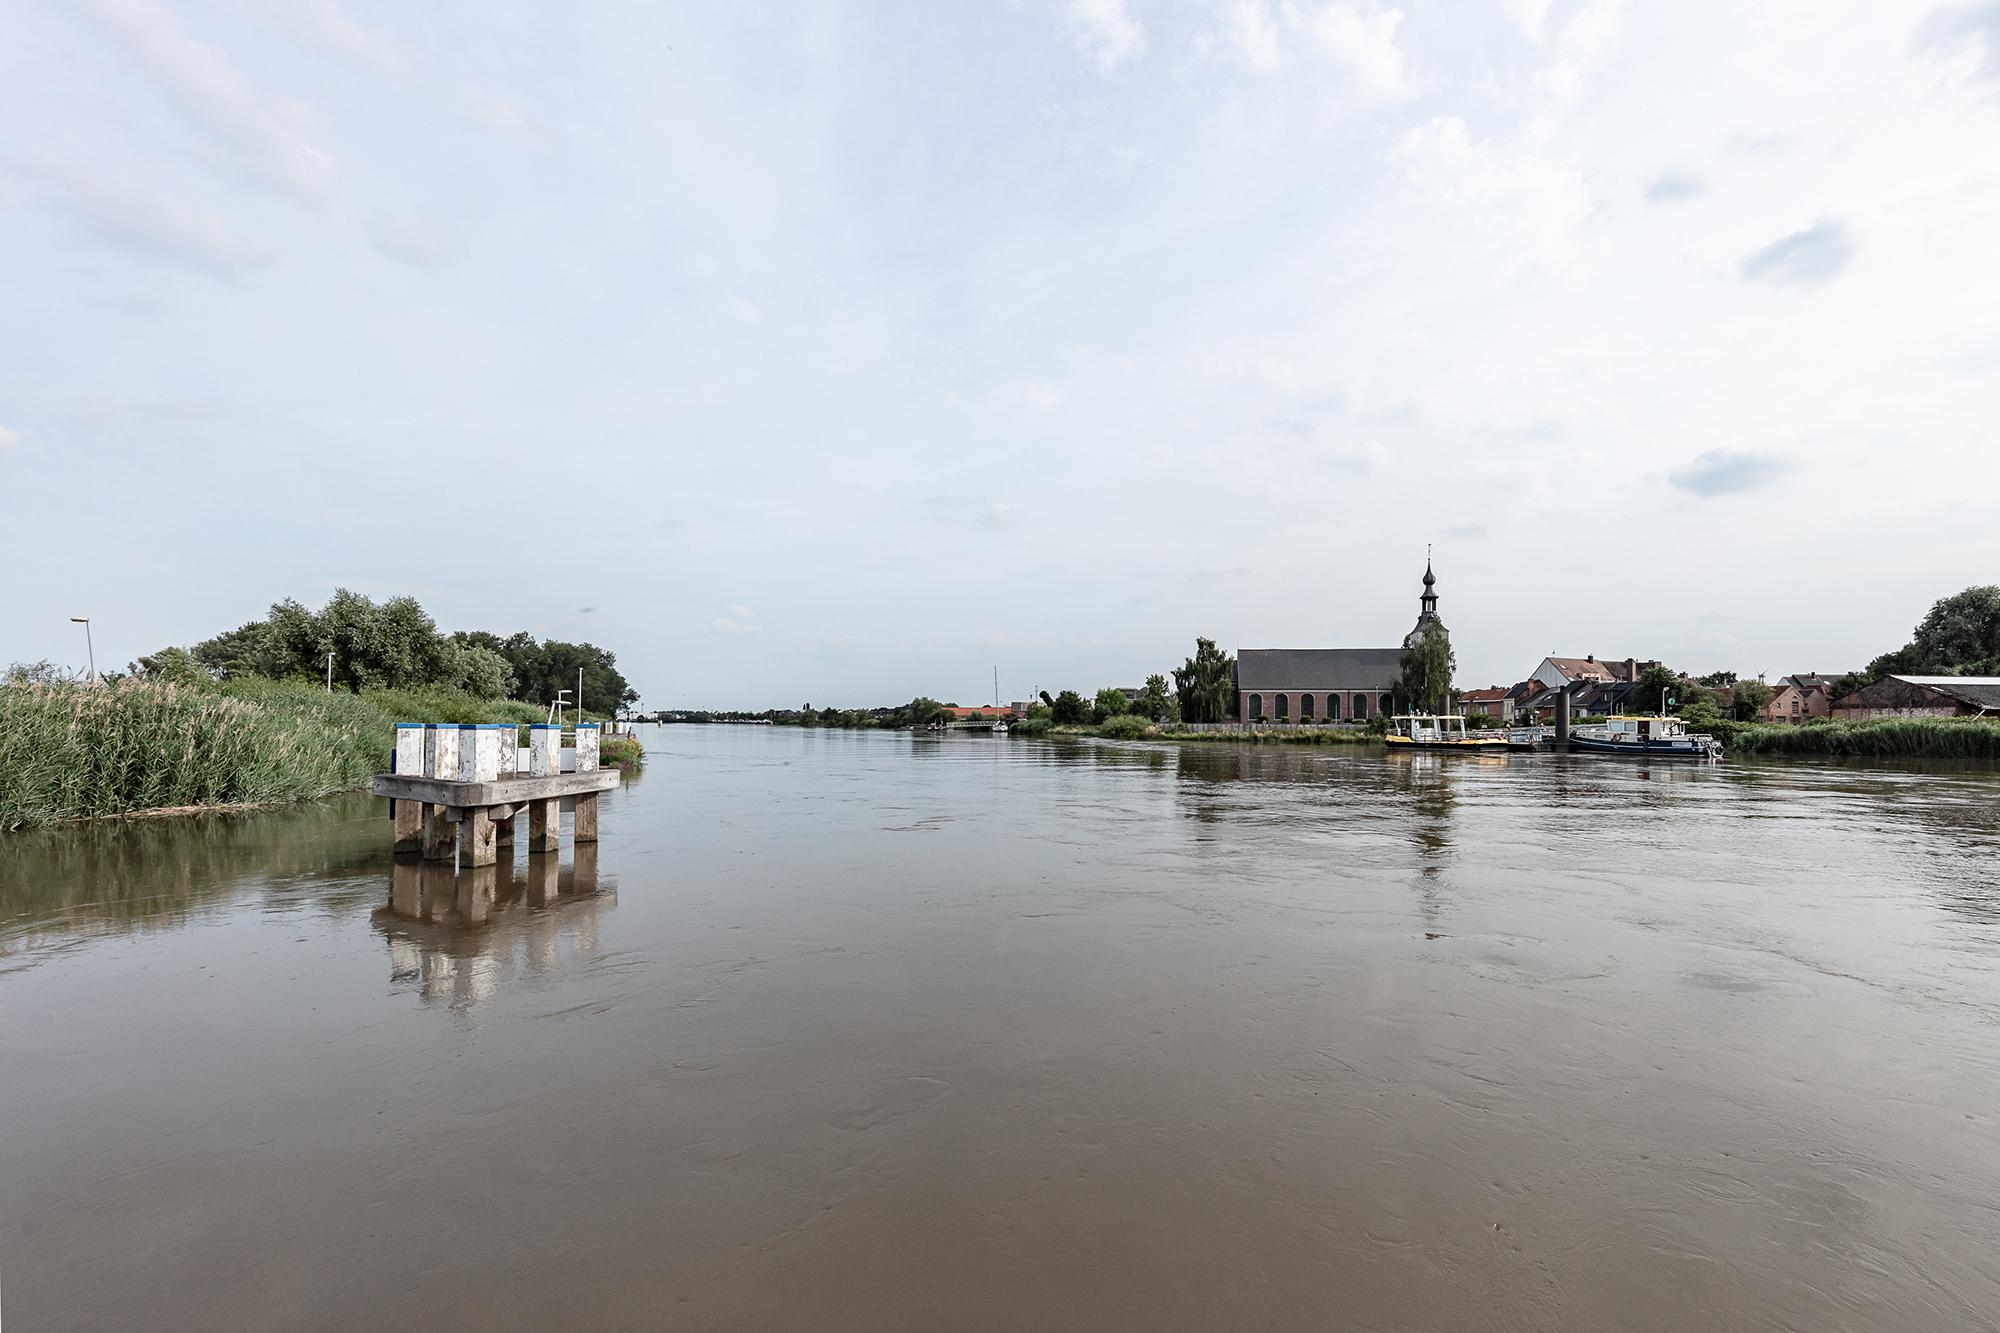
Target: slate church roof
(1317, 668)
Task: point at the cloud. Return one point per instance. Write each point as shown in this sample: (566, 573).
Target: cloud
(741, 612)
(407, 243)
(1671, 186)
(333, 25)
(1250, 27)
(1529, 16)
(1803, 259)
(9, 438)
(1105, 31)
(1950, 29)
(1364, 39)
(1727, 472)
(1535, 204)
(213, 97)
(1587, 39)
(152, 228)
(737, 620)
(1470, 532)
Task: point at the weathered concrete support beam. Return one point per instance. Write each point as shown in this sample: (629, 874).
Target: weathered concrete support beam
(475, 839)
(408, 815)
(583, 868)
(479, 751)
(544, 749)
(439, 835)
(544, 825)
(583, 823)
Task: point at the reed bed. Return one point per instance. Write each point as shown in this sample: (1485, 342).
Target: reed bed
(1877, 738)
(81, 752)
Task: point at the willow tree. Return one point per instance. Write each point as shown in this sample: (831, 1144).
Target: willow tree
(1207, 684)
(1425, 679)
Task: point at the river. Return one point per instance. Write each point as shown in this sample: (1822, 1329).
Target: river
(862, 1031)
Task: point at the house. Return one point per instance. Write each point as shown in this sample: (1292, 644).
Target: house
(1556, 672)
(1921, 696)
(1327, 684)
(1491, 701)
(1799, 698)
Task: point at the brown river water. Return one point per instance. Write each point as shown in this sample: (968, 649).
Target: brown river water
(862, 1031)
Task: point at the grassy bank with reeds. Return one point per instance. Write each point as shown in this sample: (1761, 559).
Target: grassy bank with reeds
(1876, 738)
(82, 752)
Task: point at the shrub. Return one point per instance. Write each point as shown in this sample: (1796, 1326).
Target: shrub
(1126, 727)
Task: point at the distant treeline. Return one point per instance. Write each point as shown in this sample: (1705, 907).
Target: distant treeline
(395, 645)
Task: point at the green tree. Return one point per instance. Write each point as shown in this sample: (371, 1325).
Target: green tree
(1958, 636)
(1747, 699)
(1652, 690)
(1718, 678)
(170, 666)
(924, 711)
(1109, 703)
(1069, 710)
(1424, 682)
(1157, 703)
(1206, 684)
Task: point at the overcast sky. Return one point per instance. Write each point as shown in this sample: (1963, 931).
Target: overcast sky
(838, 353)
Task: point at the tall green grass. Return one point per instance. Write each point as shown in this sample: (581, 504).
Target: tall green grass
(1877, 738)
(78, 752)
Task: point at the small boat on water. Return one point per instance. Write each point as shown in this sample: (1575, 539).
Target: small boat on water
(1000, 727)
(1428, 731)
(1657, 735)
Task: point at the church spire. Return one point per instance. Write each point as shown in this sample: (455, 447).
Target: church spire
(1428, 619)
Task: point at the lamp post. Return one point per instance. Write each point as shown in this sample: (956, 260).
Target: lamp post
(88, 646)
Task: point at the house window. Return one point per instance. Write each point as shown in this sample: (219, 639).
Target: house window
(1385, 704)
(1360, 708)
(1333, 708)
(1256, 708)
(1305, 708)
(1284, 708)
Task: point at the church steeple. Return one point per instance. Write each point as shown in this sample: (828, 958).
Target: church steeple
(1427, 618)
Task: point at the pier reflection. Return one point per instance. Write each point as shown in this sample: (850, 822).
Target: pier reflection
(455, 937)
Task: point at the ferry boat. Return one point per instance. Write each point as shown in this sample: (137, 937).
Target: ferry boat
(1656, 735)
(1427, 731)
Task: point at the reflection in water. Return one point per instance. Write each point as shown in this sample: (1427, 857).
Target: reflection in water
(454, 936)
(895, 1032)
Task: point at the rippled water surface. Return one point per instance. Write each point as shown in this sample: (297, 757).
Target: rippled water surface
(858, 1031)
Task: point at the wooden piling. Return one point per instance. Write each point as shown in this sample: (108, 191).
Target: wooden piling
(476, 846)
(583, 822)
(409, 815)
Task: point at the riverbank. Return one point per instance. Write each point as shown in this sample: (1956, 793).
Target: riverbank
(1876, 738)
(81, 752)
(1130, 728)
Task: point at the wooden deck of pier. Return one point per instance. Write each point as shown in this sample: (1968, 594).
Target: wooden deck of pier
(456, 792)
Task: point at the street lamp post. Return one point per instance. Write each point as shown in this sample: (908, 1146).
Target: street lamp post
(89, 647)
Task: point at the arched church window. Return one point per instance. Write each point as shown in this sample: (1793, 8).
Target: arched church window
(1284, 708)
(1256, 708)
(1305, 708)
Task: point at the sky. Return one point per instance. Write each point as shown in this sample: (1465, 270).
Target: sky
(840, 353)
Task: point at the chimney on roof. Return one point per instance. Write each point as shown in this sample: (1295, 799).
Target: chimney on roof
(1631, 669)
(1590, 657)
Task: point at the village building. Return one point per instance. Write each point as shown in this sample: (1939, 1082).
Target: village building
(1800, 699)
(1328, 684)
(1556, 672)
(1921, 696)
(1491, 701)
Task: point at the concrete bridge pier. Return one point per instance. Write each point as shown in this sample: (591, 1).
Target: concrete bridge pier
(544, 760)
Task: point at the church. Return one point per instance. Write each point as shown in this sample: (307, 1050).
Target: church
(1327, 684)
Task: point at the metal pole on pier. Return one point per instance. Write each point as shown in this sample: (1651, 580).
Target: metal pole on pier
(1562, 720)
